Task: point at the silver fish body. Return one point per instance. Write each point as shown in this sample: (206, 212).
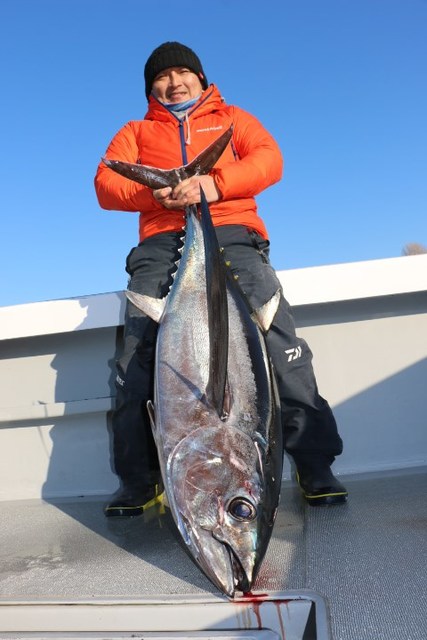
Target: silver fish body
(215, 412)
(221, 469)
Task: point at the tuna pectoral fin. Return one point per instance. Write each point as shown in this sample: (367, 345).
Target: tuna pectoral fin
(152, 307)
(217, 306)
(264, 315)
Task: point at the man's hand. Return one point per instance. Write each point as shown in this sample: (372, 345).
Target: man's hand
(187, 192)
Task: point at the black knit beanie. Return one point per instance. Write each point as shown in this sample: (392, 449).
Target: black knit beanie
(172, 54)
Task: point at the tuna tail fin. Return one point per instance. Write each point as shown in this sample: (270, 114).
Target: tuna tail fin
(216, 292)
(148, 176)
(159, 178)
(207, 159)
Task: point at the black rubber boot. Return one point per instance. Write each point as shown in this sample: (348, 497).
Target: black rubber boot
(318, 484)
(132, 500)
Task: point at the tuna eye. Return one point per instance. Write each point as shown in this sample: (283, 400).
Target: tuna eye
(241, 509)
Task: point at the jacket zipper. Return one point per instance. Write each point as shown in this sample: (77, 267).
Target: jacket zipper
(182, 141)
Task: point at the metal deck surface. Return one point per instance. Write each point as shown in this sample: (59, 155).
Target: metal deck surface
(367, 559)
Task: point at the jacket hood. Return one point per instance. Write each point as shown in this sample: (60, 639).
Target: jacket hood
(209, 101)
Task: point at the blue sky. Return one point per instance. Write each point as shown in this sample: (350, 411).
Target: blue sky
(341, 84)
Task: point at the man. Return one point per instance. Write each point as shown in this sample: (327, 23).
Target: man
(185, 114)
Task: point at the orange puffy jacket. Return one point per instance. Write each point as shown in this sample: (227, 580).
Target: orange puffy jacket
(251, 162)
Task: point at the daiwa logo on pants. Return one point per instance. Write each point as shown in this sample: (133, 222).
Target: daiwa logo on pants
(294, 354)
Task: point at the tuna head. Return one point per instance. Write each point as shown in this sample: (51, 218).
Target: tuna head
(218, 503)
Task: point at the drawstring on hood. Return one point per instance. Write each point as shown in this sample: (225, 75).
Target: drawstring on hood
(187, 120)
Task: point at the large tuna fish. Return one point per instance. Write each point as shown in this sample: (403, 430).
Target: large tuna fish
(215, 413)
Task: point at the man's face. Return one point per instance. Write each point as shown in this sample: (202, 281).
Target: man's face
(176, 84)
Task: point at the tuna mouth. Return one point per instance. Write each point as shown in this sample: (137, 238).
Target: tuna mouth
(241, 580)
(232, 577)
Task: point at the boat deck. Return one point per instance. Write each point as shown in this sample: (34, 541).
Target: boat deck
(367, 560)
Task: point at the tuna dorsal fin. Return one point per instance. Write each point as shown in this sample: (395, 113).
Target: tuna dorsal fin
(216, 292)
(158, 178)
(264, 315)
(152, 307)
